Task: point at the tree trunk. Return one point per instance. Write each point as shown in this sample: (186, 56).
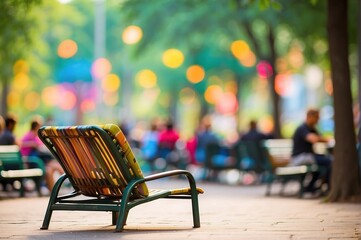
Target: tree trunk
(3, 100)
(345, 184)
(272, 77)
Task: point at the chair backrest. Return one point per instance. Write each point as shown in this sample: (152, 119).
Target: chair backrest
(10, 157)
(97, 159)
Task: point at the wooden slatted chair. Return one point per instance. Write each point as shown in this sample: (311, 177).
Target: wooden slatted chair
(102, 168)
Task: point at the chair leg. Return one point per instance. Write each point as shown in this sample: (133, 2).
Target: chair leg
(114, 217)
(195, 210)
(122, 218)
(52, 201)
(22, 188)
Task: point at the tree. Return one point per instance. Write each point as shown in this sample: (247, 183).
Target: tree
(16, 37)
(345, 171)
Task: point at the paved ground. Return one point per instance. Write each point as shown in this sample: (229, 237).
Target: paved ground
(227, 212)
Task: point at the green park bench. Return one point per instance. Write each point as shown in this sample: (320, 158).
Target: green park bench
(13, 167)
(279, 154)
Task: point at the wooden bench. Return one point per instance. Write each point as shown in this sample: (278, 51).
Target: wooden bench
(13, 168)
(279, 154)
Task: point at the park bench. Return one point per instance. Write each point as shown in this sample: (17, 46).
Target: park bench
(279, 154)
(13, 168)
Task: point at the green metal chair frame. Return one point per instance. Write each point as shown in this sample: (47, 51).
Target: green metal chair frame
(102, 168)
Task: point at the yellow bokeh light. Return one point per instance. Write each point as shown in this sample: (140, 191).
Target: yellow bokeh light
(213, 93)
(239, 49)
(13, 99)
(111, 83)
(195, 74)
(101, 67)
(173, 58)
(67, 48)
(110, 99)
(49, 96)
(21, 66)
(146, 78)
(21, 81)
(132, 34)
(187, 96)
(32, 101)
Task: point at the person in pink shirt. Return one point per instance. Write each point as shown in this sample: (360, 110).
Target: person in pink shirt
(31, 145)
(168, 137)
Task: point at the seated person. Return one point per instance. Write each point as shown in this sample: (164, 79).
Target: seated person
(7, 136)
(31, 145)
(302, 153)
(253, 133)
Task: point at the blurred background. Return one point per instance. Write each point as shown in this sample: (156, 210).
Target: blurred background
(137, 61)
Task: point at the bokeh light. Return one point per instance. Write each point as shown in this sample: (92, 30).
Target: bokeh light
(213, 93)
(195, 73)
(173, 58)
(313, 77)
(13, 99)
(227, 103)
(295, 57)
(21, 66)
(110, 99)
(282, 84)
(111, 83)
(264, 69)
(32, 101)
(146, 78)
(100, 68)
(68, 100)
(241, 50)
(132, 34)
(21, 81)
(67, 48)
(87, 105)
(187, 96)
(49, 96)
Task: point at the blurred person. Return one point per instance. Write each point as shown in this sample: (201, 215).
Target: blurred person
(253, 133)
(302, 153)
(168, 136)
(204, 137)
(167, 140)
(149, 144)
(31, 145)
(7, 136)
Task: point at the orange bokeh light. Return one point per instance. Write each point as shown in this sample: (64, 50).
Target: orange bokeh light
(212, 94)
(50, 95)
(67, 48)
(195, 74)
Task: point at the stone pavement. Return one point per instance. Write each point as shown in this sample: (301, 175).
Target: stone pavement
(227, 212)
